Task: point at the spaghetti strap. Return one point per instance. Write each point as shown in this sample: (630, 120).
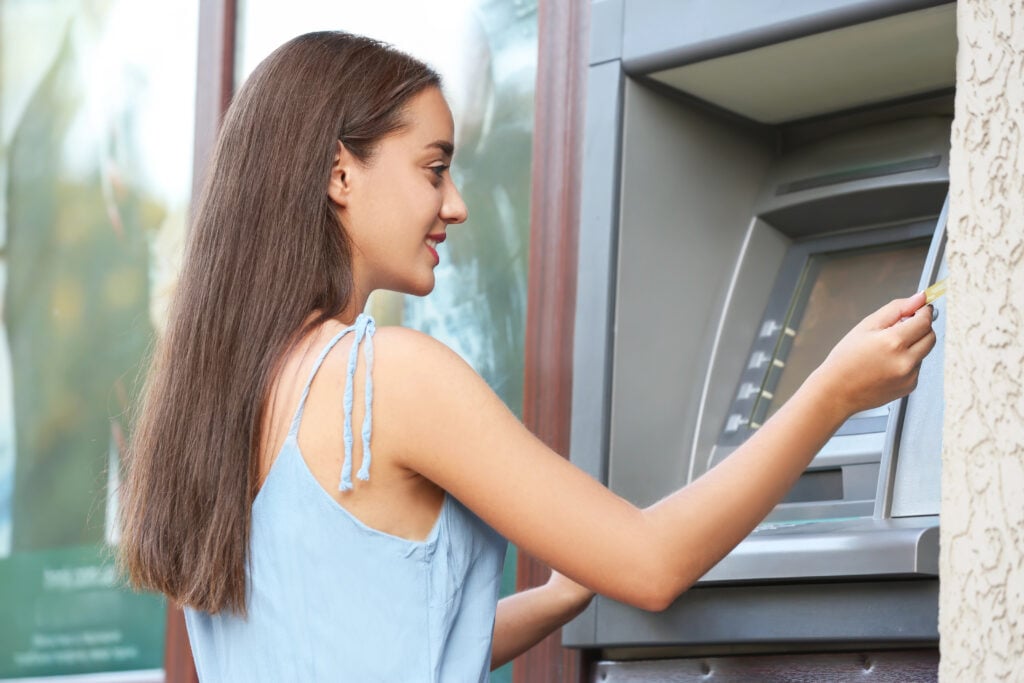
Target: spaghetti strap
(364, 329)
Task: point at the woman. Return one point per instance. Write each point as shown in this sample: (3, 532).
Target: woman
(270, 388)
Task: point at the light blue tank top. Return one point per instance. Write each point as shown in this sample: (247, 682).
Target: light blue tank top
(330, 599)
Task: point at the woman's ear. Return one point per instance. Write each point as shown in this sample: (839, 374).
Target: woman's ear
(340, 184)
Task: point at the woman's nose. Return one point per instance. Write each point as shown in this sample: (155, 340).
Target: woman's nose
(453, 209)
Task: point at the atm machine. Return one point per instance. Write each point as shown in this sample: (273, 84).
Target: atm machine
(758, 177)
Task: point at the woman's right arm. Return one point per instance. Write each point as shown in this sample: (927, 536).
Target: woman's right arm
(438, 418)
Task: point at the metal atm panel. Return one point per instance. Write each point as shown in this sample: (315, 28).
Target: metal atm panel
(707, 225)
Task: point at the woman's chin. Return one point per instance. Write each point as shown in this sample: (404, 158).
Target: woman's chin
(421, 288)
(416, 284)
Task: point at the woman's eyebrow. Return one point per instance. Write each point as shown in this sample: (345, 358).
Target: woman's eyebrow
(447, 148)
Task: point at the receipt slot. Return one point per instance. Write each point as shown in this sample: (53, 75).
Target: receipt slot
(756, 181)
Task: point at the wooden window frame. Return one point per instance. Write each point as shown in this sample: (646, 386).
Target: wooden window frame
(551, 283)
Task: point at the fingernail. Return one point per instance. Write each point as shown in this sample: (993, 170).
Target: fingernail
(935, 312)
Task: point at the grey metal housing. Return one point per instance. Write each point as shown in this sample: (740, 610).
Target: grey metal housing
(688, 213)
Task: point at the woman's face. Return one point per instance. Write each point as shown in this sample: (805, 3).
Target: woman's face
(396, 208)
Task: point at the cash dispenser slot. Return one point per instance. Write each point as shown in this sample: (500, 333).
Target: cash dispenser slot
(889, 548)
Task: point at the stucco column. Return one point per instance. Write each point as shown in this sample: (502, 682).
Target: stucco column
(981, 604)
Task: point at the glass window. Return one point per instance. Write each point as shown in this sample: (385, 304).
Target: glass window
(96, 108)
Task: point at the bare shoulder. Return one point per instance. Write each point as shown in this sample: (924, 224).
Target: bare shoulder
(401, 341)
(427, 398)
(409, 356)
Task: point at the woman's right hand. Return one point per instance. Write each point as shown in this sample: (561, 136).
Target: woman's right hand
(570, 593)
(879, 359)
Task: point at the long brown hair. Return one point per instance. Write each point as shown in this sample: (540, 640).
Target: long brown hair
(265, 252)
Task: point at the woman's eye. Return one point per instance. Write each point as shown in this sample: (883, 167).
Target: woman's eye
(439, 170)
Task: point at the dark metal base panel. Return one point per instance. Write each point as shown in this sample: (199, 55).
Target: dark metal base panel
(904, 666)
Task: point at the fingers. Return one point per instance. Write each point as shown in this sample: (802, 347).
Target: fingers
(917, 352)
(913, 304)
(894, 311)
(914, 328)
(923, 346)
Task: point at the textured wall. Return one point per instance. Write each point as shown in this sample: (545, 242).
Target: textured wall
(981, 616)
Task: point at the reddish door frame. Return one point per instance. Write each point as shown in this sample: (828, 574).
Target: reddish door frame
(551, 289)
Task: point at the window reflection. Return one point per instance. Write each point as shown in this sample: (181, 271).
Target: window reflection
(95, 167)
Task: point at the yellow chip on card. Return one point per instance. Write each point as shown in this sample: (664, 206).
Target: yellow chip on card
(935, 291)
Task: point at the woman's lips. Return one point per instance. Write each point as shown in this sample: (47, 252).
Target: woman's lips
(432, 242)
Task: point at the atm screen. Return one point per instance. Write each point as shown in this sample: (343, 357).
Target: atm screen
(836, 291)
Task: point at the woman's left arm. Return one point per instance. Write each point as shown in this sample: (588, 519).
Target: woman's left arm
(526, 618)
